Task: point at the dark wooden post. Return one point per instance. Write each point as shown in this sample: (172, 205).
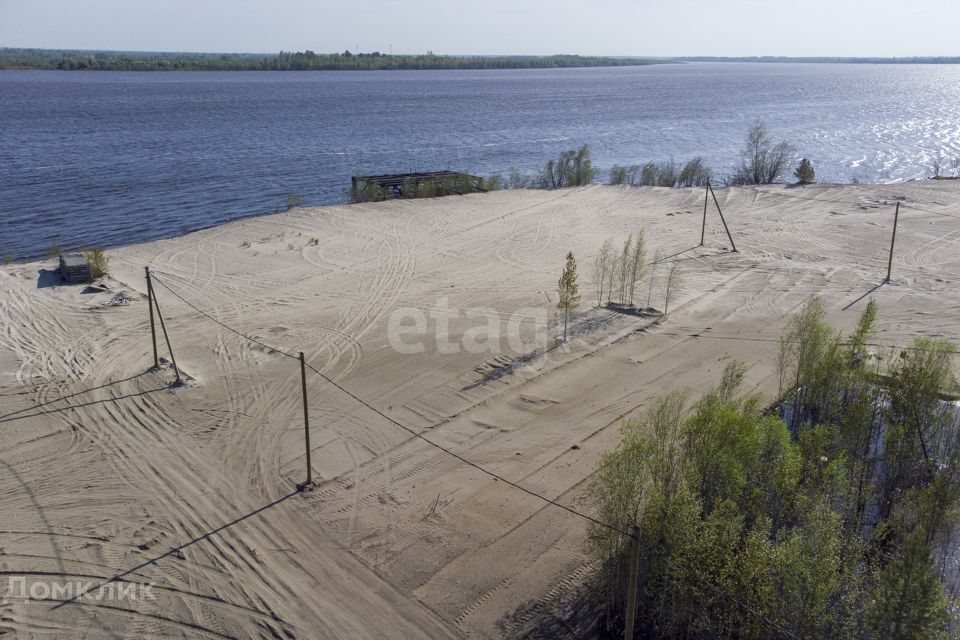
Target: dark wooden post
(706, 199)
(166, 336)
(720, 211)
(306, 421)
(893, 239)
(153, 327)
(632, 586)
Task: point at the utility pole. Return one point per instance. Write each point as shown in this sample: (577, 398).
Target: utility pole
(893, 239)
(306, 424)
(720, 211)
(706, 199)
(166, 336)
(153, 327)
(632, 586)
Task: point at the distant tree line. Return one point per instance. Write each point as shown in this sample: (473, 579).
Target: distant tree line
(290, 61)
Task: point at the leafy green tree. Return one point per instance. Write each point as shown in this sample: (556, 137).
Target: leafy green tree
(694, 174)
(601, 268)
(613, 283)
(493, 182)
(583, 171)
(638, 265)
(620, 175)
(673, 281)
(569, 291)
(842, 527)
(624, 264)
(803, 344)
(572, 169)
(910, 603)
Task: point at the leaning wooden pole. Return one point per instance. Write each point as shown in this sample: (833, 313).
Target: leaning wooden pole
(632, 586)
(166, 336)
(306, 422)
(893, 239)
(722, 219)
(153, 326)
(706, 199)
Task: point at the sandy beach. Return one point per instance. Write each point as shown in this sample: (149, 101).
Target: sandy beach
(109, 473)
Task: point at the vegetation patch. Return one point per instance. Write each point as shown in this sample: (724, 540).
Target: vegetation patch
(840, 521)
(99, 262)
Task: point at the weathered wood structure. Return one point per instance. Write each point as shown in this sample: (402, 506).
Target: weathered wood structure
(74, 268)
(413, 185)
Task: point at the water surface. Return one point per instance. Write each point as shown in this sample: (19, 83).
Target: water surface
(107, 158)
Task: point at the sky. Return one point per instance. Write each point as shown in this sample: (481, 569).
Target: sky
(537, 27)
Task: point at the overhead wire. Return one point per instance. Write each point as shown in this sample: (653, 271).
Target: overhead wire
(395, 422)
(222, 324)
(476, 466)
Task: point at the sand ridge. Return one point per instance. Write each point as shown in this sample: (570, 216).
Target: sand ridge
(108, 471)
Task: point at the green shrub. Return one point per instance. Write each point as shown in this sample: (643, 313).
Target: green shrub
(54, 249)
(99, 262)
(694, 174)
(409, 189)
(619, 175)
(517, 180)
(572, 169)
(373, 193)
(294, 200)
(493, 182)
(648, 175)
(668, 174)
(805, 173)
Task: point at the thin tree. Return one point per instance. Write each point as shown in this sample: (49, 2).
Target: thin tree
(910, 601)
(673, 280)
(625, 268)
(569, 291)
(638, 266)
(601, 266)
(762, 162)
(613, 271)
(583, 171)
(804, 339)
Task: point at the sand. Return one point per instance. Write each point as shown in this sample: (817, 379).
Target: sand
(109, 472)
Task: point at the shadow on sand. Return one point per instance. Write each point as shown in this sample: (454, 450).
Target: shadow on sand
(47, 278)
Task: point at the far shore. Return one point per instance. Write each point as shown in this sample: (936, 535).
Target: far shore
(96, 60)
